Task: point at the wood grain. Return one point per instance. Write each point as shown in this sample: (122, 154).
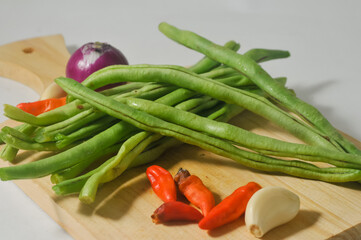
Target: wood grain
(123, 207)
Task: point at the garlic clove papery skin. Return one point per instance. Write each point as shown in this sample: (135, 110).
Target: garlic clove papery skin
(270, 207)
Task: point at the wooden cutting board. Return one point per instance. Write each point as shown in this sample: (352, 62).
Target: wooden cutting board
(123, 207)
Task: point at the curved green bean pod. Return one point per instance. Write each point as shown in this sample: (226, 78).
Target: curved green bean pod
(261, 78)
(260, 55)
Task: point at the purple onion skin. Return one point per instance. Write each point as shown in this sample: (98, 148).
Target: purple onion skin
(92, 57)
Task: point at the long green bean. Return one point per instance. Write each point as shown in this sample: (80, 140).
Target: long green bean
(259, 76)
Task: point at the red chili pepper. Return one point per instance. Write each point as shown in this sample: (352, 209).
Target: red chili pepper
(38, 107)
(195, 191)
(231, 208)
(176, 211)
(162, 183)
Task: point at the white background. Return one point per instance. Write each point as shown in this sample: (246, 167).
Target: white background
(324, 38)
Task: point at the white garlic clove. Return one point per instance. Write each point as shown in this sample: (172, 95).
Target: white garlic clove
(53, 91)
(270, 207)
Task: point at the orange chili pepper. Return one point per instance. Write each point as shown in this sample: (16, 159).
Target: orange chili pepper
(38, 107)
(195, 191)
(231, 208)
(162, 183)
(176, 211)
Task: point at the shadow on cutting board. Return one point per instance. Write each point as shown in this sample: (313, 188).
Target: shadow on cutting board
(302, 221)
(353, 233)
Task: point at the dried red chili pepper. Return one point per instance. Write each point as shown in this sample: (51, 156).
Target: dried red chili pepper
(38, 107)
(195, 191)
(231, 208)
(176, 211)
(162, 183)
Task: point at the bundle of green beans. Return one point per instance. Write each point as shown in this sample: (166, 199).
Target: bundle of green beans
(164, 106)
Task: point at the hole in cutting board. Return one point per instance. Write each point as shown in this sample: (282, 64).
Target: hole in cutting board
(28, 50)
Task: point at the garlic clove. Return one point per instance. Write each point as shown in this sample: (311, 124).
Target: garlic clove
(270, 207)
(53, 91)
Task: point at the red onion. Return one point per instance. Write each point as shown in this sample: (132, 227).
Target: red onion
(90, 58)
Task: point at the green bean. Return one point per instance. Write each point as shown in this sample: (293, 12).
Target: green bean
(124, 88)
(218, 146)
(206, 64)
(257, 54)
(184, 78)
(261, 78)
(260, 55)
(220, 72)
